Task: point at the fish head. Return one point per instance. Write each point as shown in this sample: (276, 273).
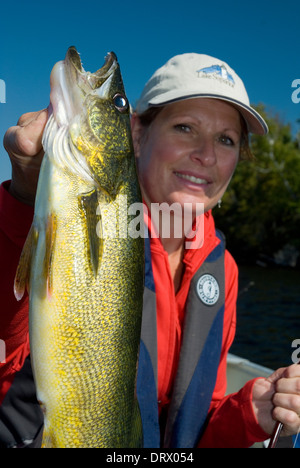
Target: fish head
(95, 108)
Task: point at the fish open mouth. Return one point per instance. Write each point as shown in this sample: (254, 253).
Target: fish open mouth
(95, 79)
(71, 85)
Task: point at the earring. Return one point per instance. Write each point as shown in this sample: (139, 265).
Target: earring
(220, 203)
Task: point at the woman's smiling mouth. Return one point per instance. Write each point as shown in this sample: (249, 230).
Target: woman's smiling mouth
(191, 178)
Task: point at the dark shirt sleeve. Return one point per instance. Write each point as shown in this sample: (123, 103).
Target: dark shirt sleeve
(15, 222)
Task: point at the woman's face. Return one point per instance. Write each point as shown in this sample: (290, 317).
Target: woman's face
(189, 152)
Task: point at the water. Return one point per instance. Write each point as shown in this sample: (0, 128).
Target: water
(268, 317)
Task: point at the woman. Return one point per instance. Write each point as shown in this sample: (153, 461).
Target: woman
(189, 130)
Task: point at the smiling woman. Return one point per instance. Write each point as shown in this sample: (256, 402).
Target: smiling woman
(192, 153)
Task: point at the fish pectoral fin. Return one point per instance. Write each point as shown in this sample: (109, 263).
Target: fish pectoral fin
(50, 241)
(22, 278)
(93, 228)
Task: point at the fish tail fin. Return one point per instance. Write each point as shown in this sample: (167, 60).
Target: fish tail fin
(47, 440)
(136, 439)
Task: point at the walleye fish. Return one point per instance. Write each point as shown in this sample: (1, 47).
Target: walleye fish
(83, 273)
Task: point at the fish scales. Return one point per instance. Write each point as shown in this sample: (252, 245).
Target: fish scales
(85, 279)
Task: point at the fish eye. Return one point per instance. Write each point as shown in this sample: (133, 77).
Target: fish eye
(120, 102)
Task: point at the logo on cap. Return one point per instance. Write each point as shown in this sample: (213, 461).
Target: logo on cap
(217, 71)
(208, 289)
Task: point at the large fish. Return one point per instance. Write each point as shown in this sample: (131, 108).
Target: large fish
(83, 269)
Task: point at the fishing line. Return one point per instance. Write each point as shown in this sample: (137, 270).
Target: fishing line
(296, 438)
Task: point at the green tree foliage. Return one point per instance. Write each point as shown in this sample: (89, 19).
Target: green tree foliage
(260, 213)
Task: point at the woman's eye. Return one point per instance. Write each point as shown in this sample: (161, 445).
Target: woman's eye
(226, 140)
(183, 128)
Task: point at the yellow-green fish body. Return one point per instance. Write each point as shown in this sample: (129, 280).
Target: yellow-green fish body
(85, 271)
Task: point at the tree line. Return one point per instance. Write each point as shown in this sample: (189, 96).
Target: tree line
(260, 213)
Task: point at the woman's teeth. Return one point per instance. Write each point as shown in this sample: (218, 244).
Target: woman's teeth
(195, 180)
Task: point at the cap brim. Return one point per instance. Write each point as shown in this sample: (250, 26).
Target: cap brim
(256, 124)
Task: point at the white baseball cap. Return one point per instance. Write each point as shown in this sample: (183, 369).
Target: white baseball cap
(189, 76)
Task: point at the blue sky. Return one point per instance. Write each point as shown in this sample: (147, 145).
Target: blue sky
(258, 38)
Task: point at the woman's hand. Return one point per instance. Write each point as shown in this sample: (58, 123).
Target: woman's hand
(24, 146)
(277, 398)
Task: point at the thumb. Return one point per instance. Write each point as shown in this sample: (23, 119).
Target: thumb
(25, 139)
(278, 374)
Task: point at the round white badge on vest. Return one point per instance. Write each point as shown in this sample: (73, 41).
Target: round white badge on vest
(208, 289)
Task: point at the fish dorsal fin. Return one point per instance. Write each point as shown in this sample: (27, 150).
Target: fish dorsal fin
(93, 228)
(22, 278)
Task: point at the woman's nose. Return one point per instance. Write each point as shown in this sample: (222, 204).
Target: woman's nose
(204, 153)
